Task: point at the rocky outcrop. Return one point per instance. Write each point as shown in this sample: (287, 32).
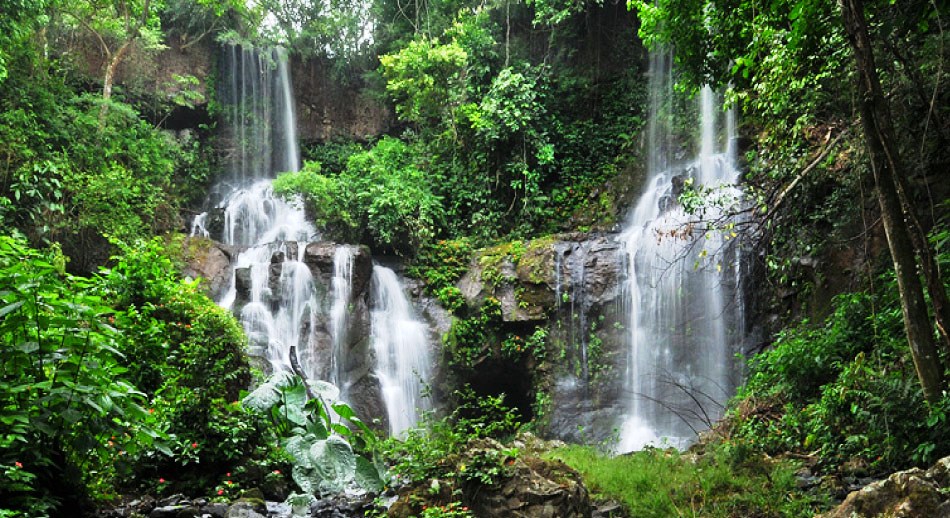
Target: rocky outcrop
(349, 360)
(571, 285)
(910, 493)
(208, 261)
(180, 506)
(526, 485)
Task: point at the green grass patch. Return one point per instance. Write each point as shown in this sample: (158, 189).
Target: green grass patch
(664, 483)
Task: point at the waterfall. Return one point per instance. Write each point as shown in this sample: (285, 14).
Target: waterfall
(680, 287)
(342, 287)
(402, 351)
(260, 126)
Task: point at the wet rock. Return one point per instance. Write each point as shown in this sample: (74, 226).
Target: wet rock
(215, 510)
(210, 261)
(910, 493)
(248, 508)
(175, 511)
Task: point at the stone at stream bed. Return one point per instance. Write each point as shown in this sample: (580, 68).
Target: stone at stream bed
(910, 493)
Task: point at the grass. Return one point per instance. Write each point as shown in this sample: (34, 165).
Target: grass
(665, 483)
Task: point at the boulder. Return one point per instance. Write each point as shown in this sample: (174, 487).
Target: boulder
(247, 508)
(209, 261)
(527, 487)
(909, 493)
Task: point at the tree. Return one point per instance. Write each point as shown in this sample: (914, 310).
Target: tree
(888, 169)
(117, 25)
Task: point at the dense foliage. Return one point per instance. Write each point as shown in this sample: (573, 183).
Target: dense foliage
(843, 391)
(501, 133)
(511, 120)
(124, 379)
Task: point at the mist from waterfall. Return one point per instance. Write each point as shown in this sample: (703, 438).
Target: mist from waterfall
(683, 315)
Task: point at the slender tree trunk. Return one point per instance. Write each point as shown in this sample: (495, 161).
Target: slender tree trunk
(112, 64)
(928, 264)
(887, 168)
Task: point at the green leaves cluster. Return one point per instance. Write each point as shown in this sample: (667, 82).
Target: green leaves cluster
(844, 389)
(435, 451)
(381, 197)
(328, 456)
(69, 409)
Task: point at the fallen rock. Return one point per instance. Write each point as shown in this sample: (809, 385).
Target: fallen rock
(909, 493)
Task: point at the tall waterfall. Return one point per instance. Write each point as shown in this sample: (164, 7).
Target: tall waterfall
(683, 316)
(273, 290)
(260, 125)
(402, 351)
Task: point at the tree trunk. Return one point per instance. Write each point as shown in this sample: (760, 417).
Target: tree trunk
(113, 61)
(887, 168)
(928, 264)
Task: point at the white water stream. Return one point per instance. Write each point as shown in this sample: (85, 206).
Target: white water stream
(402, 352)
(682, 312)
(261, 128)
(281, 306)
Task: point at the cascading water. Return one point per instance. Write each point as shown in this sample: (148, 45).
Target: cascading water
(261, 127)
(682, 316)
(402, 351)
(273, 289)
(342, 286)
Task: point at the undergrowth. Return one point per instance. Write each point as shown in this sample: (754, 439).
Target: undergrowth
(662, 483)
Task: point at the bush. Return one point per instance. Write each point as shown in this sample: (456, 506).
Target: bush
(189, 358)
(381, 198)
(68, 408)
(431, 452)
(846, 391)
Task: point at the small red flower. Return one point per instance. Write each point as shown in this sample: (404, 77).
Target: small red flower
(220, 491)
(18, 464)
(161, 481)
(151, 410)
(277, 472)
(194, 445)
(227, 474)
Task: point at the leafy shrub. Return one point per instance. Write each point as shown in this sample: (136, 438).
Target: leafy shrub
(432, 451)
(189, 359)
(846, 390)
(67, 404)
(381, 198)
(306, 419)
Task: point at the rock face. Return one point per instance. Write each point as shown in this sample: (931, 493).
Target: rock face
(910, 493)
(350, 362)
(209, 261)
(329, 108)
(571, 286)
